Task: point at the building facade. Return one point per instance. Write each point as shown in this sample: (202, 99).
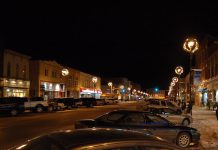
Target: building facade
(156, 93)
(49, 81)
(207, 61)
(46, 79)
(14, 74)
(121, 88)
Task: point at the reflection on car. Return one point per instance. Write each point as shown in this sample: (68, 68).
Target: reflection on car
(142, 121)
(172, 115)
(148, 103)
(97, 139)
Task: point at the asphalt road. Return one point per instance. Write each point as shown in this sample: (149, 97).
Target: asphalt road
(16, 130)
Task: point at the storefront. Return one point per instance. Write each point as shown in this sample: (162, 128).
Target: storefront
(52, 90)
(88, 93)
(14, 88)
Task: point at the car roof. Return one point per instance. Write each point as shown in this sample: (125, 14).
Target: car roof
(81, 137)
(158, 107)
(69, 139)
(127, 111)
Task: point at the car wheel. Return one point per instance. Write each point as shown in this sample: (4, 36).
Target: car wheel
(14, 112)
(185, 122)
(39, 109)
(183, 139)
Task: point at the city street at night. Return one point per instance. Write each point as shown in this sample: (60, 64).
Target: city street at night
(151, 69)
(15, 130)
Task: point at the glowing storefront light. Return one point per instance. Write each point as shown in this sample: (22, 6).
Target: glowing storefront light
(50, 86)
(13, 82)
(217, 95)
(57, 87)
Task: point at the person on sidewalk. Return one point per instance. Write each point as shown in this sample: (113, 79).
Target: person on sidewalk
(217, 112)
(183, 107)
(190, 108)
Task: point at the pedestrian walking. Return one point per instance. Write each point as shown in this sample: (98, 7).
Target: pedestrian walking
(217, 112)
(190, 108)
(183, 106)
(179, 103)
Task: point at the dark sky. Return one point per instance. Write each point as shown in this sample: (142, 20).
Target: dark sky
(138, 40)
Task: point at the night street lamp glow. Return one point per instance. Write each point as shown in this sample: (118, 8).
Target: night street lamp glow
(94, 79)
(110, 84)
(175, 79)
(65, 72)
(179, 70)
(122, 87)
(190, 45)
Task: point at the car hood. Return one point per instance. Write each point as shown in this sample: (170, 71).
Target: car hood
(86, 120)
(183, 127)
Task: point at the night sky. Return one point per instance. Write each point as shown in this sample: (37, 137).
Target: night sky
(137, 40)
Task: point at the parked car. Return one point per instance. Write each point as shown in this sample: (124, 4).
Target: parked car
(88, 102)
(12, 105)
(172, 115)
(141, 121)
(144, 105)
(96, 139)
(78, 102)
(111, 101)
(100, 102)
(38, 104)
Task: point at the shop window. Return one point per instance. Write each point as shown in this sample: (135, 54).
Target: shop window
(46, 72)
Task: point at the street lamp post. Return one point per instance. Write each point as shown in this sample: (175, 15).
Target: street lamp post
(129, 89)
(191, 46)
(65, 72)
(110, 84)
(94, 80)
(175, 80)
(179, 71)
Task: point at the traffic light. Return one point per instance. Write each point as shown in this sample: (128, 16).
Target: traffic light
(156, 89)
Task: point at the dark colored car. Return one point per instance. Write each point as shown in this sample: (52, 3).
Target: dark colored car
(89, 102)
(12, 105)
(141, 121)
(97, 139)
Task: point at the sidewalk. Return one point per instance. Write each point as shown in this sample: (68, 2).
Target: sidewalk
(205, 121)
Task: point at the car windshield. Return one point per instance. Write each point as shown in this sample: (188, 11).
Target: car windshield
(110, 117)
(168, 111)
(156, 120)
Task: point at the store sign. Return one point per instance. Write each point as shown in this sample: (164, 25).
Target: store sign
(86, 90)
(197, 77)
